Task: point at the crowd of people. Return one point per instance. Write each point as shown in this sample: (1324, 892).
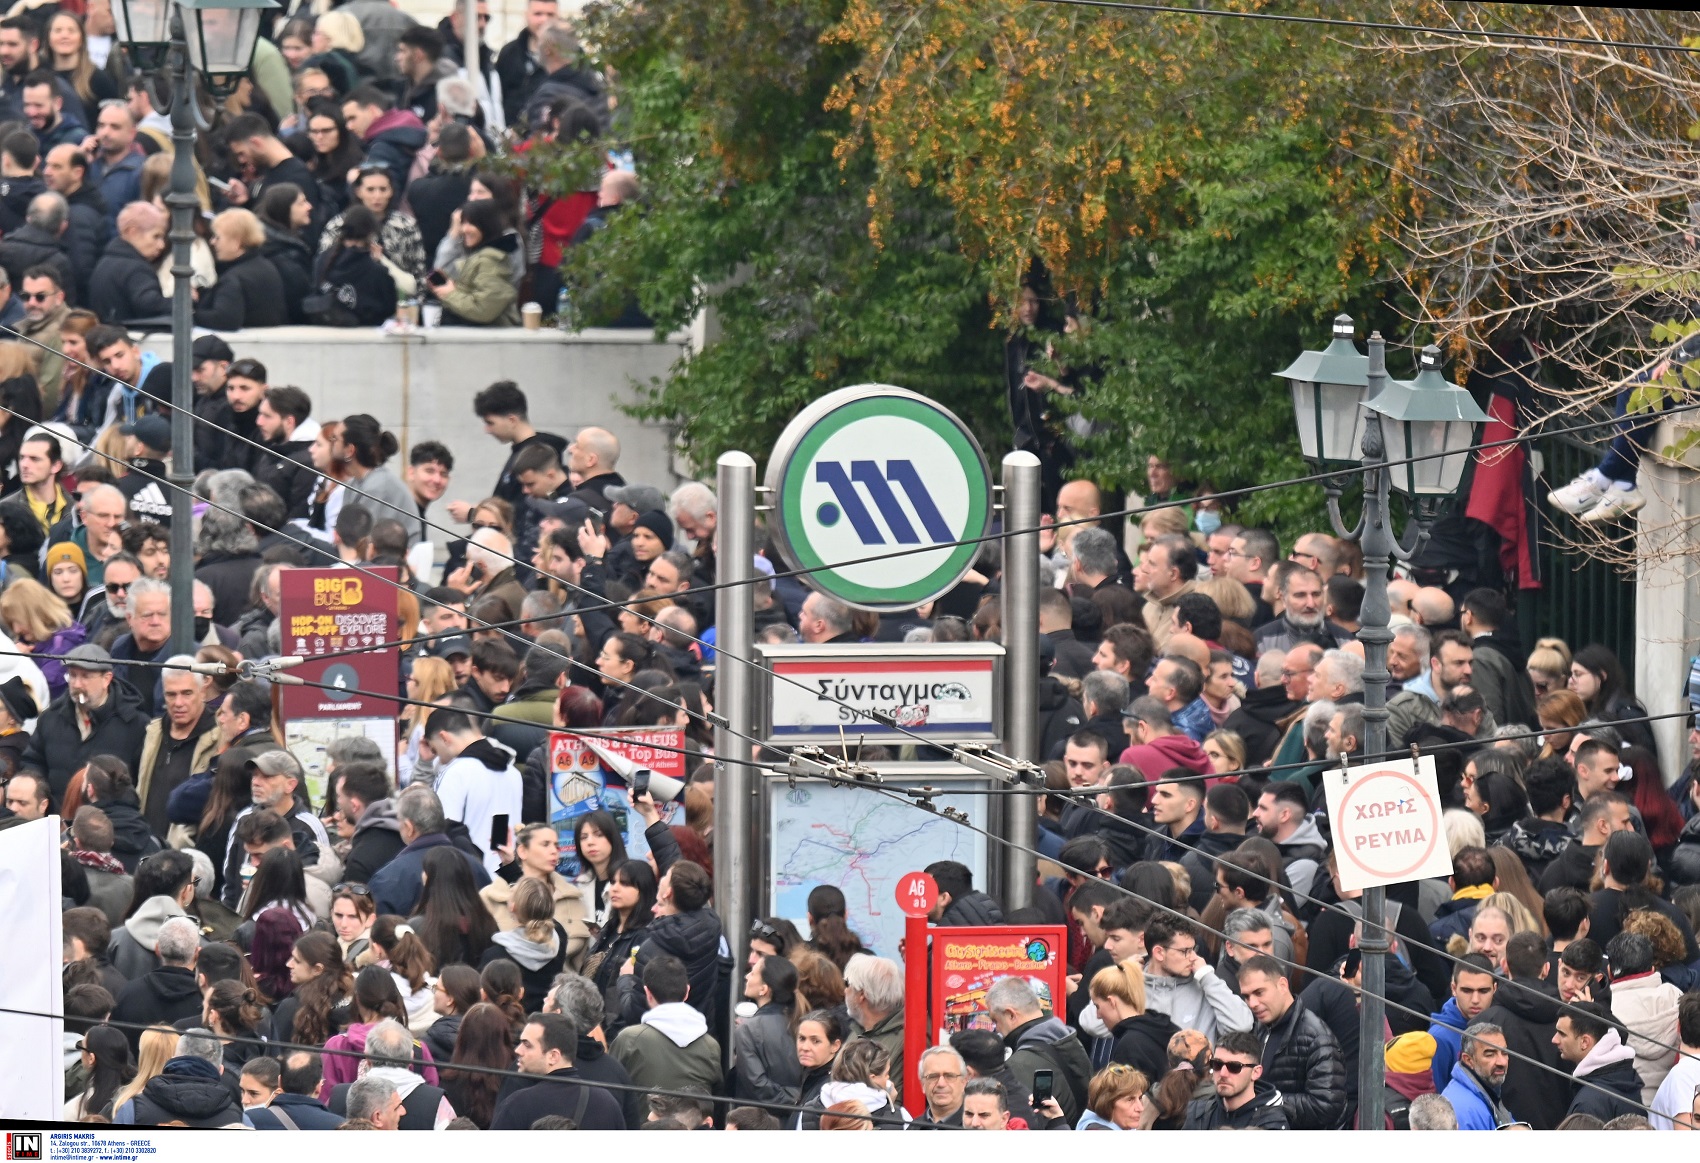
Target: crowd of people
(353, 177)
(387, 954)
(239, 952)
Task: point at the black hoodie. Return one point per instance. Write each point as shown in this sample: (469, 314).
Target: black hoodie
(1526, 1010)
(160, 997)
(1258, 721)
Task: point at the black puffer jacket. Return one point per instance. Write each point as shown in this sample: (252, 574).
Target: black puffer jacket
(1302, 1059)
(693, 938)
(361, 292)
(249, 293)
(190, 1091)
(1265, 1112)
(125, 286)
(974, 908)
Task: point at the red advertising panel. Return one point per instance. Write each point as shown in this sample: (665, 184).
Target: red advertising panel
(593, 772)
(967, 961)
(325, 611)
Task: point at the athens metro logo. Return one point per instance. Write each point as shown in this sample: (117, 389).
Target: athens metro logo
(848, 502)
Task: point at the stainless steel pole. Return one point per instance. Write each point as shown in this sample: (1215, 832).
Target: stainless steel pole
(184, 206)
(1378, 545)
(1020, 665)
(735, 787)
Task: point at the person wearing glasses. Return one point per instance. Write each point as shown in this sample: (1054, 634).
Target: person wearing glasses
(1243, 1101)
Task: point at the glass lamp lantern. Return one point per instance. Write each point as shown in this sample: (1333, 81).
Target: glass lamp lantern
(1328, 389)
(221, 35)
(143, 27)
(1426, 417)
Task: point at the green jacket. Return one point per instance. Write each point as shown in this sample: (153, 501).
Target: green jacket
(484, 291)
(536, 707)
(656, 1061)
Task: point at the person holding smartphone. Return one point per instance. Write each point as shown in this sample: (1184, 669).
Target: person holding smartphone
(477, 780)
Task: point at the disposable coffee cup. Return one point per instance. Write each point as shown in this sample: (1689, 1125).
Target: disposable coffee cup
(408, 312)
(531, 314)
(433, 314)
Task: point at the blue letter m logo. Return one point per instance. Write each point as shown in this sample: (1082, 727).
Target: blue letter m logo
(866, 473)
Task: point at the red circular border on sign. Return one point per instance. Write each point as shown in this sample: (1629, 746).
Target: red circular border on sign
(1422, 795)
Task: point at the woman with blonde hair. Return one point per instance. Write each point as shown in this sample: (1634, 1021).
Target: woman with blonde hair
(1548, 667)
(1232, 598)
(338, 41)
(157, 1047)
(432, 678)
(249, 291)
(40, 622)
(68, 46)
(1226, 751)
(1463, 830)
(1161, 522)
(1140, 1036)
(539, 945)
(1558, 712)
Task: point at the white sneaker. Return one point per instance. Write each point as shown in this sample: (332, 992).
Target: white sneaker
(1616, 503)
(1581, 494)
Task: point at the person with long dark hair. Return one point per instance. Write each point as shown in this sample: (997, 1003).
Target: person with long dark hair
(631, 907)
(501, 985)
(601, 848)
(1597, 678)
(284, 212)
(481, 291)
(829, 932)
(399, 245)
(336, 152)
(453, 923)
(1499, 800)
(365, 447)
(453, 994)
(322, 984)
(767, 1069)
(485, 1038)
(276, 906)
(107, 1058)
(820, 1035)
(375, 999)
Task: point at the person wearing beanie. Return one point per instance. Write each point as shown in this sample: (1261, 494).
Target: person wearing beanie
(1410, 1073)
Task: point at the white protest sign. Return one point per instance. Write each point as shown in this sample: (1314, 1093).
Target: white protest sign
(1386, 821)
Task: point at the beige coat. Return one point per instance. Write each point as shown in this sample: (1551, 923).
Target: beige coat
(570, 911)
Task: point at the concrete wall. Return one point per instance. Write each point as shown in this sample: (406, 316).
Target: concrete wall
(420, 385)
(1667, 606)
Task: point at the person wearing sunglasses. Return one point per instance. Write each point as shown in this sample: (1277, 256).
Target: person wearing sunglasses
(1243, 1101)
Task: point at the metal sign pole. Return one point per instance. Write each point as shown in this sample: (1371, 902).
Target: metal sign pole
(1021, 664)
(734, 697)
